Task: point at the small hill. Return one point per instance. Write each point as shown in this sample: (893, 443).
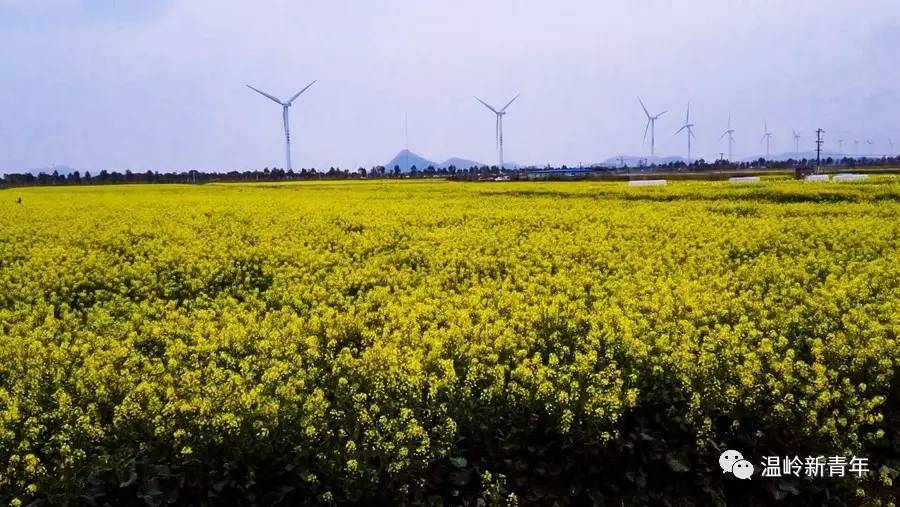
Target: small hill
(407, 159)
(459, 163)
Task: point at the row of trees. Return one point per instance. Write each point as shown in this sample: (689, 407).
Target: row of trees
(191, 176)
(760, 163)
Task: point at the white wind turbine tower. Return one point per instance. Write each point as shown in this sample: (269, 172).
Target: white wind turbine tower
(869, 143)
(651, 125)
(285, 106)
(796, 141)
(855, 147)
(730, 133)
(767, 137)
(841, 146)
(689, 127)
(499, 127)
(891, 144)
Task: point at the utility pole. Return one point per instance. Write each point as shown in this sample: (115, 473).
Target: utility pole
(406, 134)
(819, 142)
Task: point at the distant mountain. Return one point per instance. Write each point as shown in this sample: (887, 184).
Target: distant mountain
(459, 163)
(407, 159)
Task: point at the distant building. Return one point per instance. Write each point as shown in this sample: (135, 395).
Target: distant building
(565, 172)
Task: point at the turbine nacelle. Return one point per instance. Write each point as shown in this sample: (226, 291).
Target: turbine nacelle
(646, 112)
(274, 99)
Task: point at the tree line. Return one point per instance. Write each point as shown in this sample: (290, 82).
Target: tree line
(193, 176)
(474, 172)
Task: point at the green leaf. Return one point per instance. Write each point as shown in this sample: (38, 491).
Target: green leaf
(132, 478)
(677, 463)
(459, 462)
(460, 477)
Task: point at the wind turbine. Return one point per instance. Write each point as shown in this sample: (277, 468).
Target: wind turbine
(870, 144)
(690, 131)
(855, 147)
(796, 141)
(287, 129)
(841, 146)
(730, 133)
(767, 137)
(891, 144)
(651, 125)
(499, 127)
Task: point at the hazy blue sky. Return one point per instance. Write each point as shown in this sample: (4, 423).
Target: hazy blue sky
(159, 84)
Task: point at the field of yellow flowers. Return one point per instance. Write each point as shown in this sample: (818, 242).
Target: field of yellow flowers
(433, 342)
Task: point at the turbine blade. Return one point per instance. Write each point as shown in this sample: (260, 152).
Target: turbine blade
(662, 113)
(264, 94)
(301, 91)
(644, 107)
(486, 105)
(723, 135)
(647, 128)
(510, 102)
(679, 130)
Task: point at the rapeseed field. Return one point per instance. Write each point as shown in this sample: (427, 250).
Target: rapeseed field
(435, 342)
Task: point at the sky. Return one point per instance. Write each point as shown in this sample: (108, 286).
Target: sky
(160, 84)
